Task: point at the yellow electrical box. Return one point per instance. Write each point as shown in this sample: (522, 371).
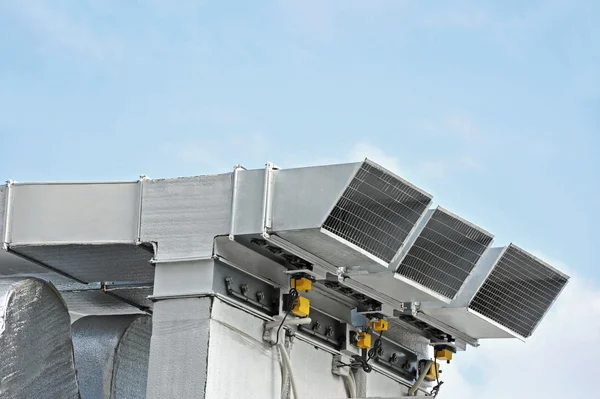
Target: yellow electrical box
(443, 354)
(379, 325)
(364, 340)
(302, 284)
(433, 373)
(301, 307)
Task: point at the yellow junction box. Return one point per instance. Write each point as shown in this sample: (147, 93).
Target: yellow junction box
(443, 354)
(379, 325)
(364, 340)
(301, 307)
(433, 373)
(302, 284)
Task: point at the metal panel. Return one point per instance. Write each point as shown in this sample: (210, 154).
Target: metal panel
(3, 199)
(90, 263)
(302, 197)
(444, 253)
(95, 302)
(111, 355)
(519, 291)
(74, 213)
(179, 348)
(14, 266)
(377, 211)
(236, 348)
(248, 202)
(184, 215)
(330, 249)
(136, 295)
(35, 342)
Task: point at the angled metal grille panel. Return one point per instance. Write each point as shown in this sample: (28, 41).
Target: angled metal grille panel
(518, 291)
(376, 212)
(444, 253)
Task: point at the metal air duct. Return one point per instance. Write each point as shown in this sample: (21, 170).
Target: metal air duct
(435, 260)
(347, 215)
(111, 354)
(36, 358)
(507, 295)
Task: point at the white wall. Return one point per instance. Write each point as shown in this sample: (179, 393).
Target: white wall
(241, 364)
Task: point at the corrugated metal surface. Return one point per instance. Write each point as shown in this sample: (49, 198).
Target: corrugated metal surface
(376, 212)
(137, 295)
(95, 302)
(519, 291)
(111, 354)
(36, 353)
(132, 360)
(90, 263)
(14, 266)
(180, 338)
(186, 214)
(3, 197)
(444, 254)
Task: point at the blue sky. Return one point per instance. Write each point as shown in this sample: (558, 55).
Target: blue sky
(494, 107)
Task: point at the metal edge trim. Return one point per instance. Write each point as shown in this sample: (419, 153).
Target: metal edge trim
(497, 325)
(418, 286)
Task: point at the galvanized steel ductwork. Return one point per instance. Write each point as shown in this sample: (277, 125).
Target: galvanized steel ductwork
(507, 296)
(111, 355)
(36, 353)
(357, 217)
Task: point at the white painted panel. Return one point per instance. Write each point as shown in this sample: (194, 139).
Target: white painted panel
(74, 213)
(240, 363)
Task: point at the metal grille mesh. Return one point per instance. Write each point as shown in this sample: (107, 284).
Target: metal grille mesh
(518, 291)
(377, 212)
(444, 254)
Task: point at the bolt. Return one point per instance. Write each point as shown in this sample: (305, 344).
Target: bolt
(329, 331)
(260, 296)
(316, 326)
(244, 289)
(394, 357)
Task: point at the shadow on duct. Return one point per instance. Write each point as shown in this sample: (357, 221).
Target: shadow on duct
(35, 340)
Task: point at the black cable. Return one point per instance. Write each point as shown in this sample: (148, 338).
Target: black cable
(359, 361)
(293, 297)
(374, 351)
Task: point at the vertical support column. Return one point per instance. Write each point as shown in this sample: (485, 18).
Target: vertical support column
(180, 329)
(179, 348)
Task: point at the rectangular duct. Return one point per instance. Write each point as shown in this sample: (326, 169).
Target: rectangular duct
(508, 295)
(443, 253)
(349, 215)
(434, 262)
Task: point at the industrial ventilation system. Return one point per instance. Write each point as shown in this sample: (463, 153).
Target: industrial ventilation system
(507, 297)
(348, 258)
(348, 215)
